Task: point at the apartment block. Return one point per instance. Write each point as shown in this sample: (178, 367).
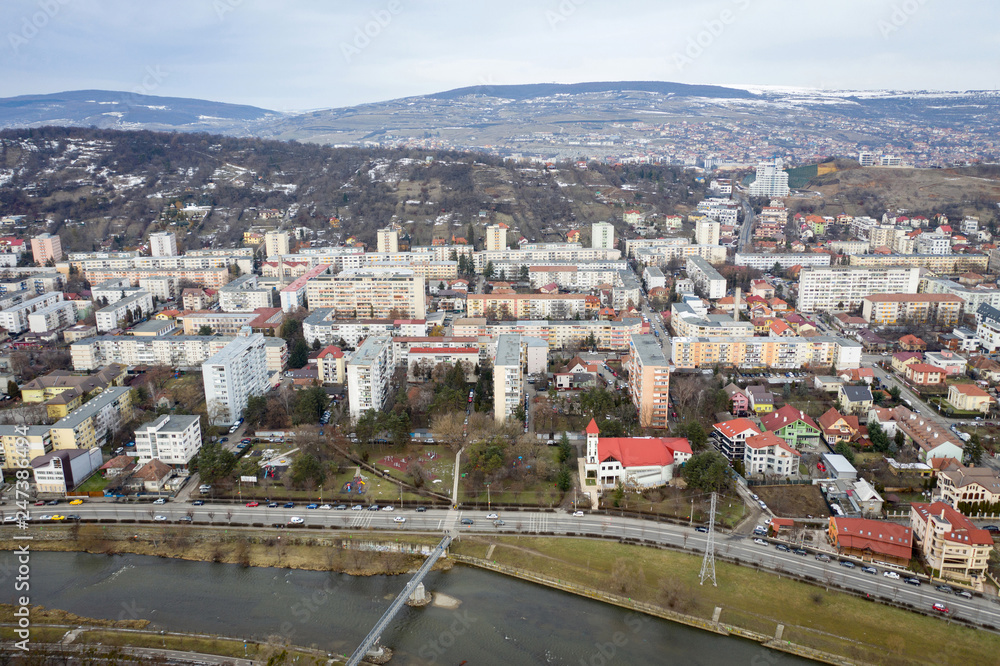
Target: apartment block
(92, 424)
(276, 243)
(173, 439)
(938, 263)
(531, 306)
(843, 288)
(46, 247)
(369, 293)
(52, 318)
(233, 375)
(496, 238)
(387, 240)
(706, 279)
(508, 383)
(770, 352)
(951, 546)
(15, 319)
(368, 373)
(649, 381)
(161, 287)
(771, 180)
(765, 261)
(662, 256)
(245, 295)
(706, 232)
(19, 445)
(261, 320)
(132, 308)
(891, 309)
(163, 244)
(602, 235)
(610, 334)
(544, 254)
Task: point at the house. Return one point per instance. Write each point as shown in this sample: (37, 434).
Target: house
(828, 383)
(867, 499)
(61, 471)
(738, 400)
(151, 477)
(855, 375)
(838, 467)
(902, 359)
(923, 374)
(952, 547)
(761, 400)
(574, 381)
(985, 368)
(871, 540)
(769, 454)
(645, 462)
(118, 466)
(951, 363)
(838, 427)
(729, 437)
(967, 488)
(969, 398)
(912, 343)
(930, 439)
(872, 342)
(792, 425)
(855, 399)
(331, 366)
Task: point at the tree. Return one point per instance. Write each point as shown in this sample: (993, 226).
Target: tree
(306, 470)
(564, 480)
(488, 271)
(522, 273)
(299, 356)
(309, 405)
(708, 471)
(256, 410)
(696, 435)
(205, 329)
(565, 450)
(214, 462)
(844, 449)
(974, 451)
(900, 438)
(291, 328)
(895, 392)
(13, 390)
(880, 441)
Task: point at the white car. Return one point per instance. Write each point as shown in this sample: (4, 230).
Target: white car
(9, 519)
(891, 574)
(295, 520)
(578, 514)
(160, 519)
(492, 516)
(388, 507)
(761, 542)
(326, 506)
(399, 519)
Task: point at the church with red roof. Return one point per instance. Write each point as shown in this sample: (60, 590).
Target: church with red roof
(647, 461)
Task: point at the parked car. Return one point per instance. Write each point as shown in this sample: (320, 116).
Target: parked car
(161, 500)
(912, 581)
(340, 507)
(847, 563)
(761, 542)
(963, 593)
(891, 574)
(823, 558)
(492, 516)
(252, 504)
(388, 507)
(421, 509)
(869, 570)
(272, 505)
(577, 514)
(357, 507)
(159, 518)
(198, 503)
(312, 506)
(701, 529)
(289, 505)
(783, 548)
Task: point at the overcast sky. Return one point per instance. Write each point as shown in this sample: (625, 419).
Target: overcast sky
(297, 55)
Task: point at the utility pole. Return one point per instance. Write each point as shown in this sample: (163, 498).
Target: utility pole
(708, 564)
(489, 504)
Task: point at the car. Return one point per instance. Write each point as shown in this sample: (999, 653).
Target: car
(325, 506)
(963, 593)
(492, 516)
(421, 509)
(272, 505)
(159, 518)
(58, 517)
(767, 521)
(74, 516)
(578, 514)
(160, 500)
(399, 519)
(912, 581)
(800, 551)
(847, 563)
(76, 502)
(252, 504)
(869, 570)
(295, 520)
(289, 505)
(357, 507)
(755, 497)
(701, 529)
(822, 558)
(373, 507)
(468, 521)
(224, 439)
(40, 503)
(992, 528)
(45, 517)
(941, 608)
(52, 502)
(783, 548)
(9, 519)
(185, 519)
(944, 588)
(198, 503)
(891, 574)
(761, 542)
(312, 506)
(389, 507)
(498, 523)
(340, 507)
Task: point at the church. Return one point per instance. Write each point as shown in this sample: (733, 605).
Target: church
(648, 461)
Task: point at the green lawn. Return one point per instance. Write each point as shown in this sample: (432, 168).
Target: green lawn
(94, 484)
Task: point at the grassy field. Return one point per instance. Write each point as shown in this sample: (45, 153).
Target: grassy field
(812, 616)
(95, 483)
(794, 501)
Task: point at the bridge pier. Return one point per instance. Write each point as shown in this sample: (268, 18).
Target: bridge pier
(377, 654)
(419, 596)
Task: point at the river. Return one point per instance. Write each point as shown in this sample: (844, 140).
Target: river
(500, 620)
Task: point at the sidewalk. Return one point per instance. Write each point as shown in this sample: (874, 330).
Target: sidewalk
(590, 491)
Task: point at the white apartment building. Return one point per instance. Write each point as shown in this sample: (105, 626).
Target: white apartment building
(988, 327)
(649, 381)
(660, 256)
(56, 316)
(508, 385)
(163, 244)
(244, 294)
(173, 439)
(721, 210)
(845, 287)
(654, 278)
(139, 305)
(708, 280)
(765, 261)
(233, 375)
(275, 244)
(496, 238)
(769, 454)
(161, 287)
(176, 351)
(572, 276)
(369, 293)
(368, 372)
(771, 180)
(551, 253)
(633, 244)
(602, 235)
(387, 240)
(706, 232)
(933, 243)
(15, 319)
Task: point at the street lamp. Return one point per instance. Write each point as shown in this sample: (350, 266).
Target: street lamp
(488, 502)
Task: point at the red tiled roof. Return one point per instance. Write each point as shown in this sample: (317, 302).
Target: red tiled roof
(735, 427)
(874, 535)
(788, 414)
(641, 451)
(333, 351)
(963, 531)
(767, 439)
(592, 428)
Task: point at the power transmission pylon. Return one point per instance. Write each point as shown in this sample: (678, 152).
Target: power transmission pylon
(708, 564)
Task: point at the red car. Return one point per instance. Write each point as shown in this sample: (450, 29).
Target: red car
(941, 608)
(253, 504)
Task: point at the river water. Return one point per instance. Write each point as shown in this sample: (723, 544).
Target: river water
(500, 620)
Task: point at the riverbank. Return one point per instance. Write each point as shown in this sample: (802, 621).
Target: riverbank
(841, 628)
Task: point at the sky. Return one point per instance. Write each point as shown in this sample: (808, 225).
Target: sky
(296, 55)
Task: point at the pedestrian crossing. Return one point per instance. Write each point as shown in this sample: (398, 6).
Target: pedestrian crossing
(363, 519)
(538, 522)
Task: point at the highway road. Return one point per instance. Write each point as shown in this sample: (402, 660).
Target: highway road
(978, 609)
(749, 218)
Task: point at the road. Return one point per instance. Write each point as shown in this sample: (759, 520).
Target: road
(978, 609)
(749, 218)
